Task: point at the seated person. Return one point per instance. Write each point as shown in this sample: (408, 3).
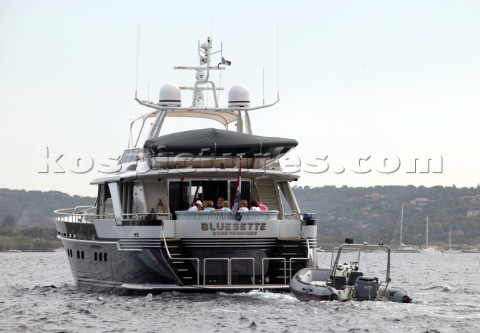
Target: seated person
(243, 206)
(225, 207)
(262, 206)
(161, 207)
(254, 206)
(197, 206)
(208, 206)
(220, 202)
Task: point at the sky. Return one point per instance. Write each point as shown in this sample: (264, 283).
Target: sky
(375, 92)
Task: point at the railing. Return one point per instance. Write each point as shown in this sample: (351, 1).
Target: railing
(285, 262)
(170, 257)
(80, 215)
(229, 263)
(269, 215)
(297, 258)
(229, 268)
(290, 216)
(146, 217)
(284, 268)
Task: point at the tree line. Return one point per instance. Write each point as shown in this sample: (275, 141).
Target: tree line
(373, 213)
(364, 213)
(26, 218)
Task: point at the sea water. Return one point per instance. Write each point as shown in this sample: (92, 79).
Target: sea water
(37, 294)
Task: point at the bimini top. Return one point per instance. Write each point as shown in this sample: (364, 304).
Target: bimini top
(217, 142)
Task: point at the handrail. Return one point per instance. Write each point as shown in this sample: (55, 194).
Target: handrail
(253, 267)
(144, 216)
(228, 269)
(299, 258)
(284, 269)
(358, 247)
(215, 215)
(69, 215)
(170, 257)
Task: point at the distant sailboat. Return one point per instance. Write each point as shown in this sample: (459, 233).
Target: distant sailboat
(450, 243)
(427, 248)
(403, 248)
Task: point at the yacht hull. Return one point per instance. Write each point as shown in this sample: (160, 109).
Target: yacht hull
(103, 266)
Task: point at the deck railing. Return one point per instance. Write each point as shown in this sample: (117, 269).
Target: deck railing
(87, 214)
(230, 260)
(269, 215)
(80, 214)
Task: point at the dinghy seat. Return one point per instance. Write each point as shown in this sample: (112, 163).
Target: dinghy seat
(353, 277)
(339, 281)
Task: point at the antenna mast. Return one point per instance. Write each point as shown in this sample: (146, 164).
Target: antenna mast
(138, 51)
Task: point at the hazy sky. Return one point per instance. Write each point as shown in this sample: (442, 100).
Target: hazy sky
(371, 80)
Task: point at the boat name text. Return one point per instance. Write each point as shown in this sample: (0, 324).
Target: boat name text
(234, 229)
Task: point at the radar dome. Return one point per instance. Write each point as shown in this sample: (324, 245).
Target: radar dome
(170, 95)
(238, 96)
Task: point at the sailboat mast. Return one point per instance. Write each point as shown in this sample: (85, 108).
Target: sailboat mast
(401, 227)
(426, 240)
(450, 239)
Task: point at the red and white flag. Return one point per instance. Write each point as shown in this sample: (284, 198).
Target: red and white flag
(238, 189)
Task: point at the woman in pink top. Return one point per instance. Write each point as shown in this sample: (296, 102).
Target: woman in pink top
(255, 203)
(262, 206)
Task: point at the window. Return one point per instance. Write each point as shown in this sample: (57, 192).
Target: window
(102, 196)
(178, 196)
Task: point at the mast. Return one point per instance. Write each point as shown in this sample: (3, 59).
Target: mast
(450, 239)
(169, 104)
(426, 240)
(401, 228)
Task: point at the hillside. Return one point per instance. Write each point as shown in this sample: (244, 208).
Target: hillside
(35, 207)
(371, 214)
(26, 218)
(365, 214)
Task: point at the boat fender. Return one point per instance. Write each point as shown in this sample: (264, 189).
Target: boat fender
(238, 216)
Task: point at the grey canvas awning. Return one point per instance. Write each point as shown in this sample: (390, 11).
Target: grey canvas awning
(217, 142)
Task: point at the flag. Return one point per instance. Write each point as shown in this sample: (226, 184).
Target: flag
(226, 62)
(238, 189)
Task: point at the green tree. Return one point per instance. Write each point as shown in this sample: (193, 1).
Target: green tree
(8, 221)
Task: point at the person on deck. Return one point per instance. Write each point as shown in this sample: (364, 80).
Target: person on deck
(254, 206)
(197, 206)
(220, 202)
(226, 207)
(243, 206)
(262, 206)
(208, 206)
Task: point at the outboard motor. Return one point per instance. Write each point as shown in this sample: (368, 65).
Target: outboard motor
(365, 289)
